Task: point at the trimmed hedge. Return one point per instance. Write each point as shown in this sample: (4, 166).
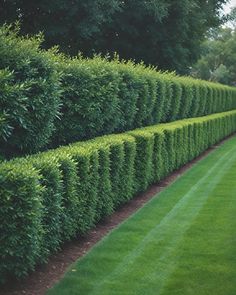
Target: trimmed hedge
(29, 93)
(103, 97)
(51, 197)
(98, 96)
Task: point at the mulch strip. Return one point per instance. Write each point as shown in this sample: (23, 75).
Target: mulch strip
(45, 276)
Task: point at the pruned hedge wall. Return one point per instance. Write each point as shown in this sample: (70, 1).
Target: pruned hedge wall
(102, 97)
(47, 99)
(51, 197)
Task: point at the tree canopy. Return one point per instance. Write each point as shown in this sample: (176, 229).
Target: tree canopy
(218, 54)
(166, 33)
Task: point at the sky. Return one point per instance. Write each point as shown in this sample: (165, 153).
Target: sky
(229, 5)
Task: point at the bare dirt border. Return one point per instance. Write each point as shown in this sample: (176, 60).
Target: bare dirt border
(45, 276)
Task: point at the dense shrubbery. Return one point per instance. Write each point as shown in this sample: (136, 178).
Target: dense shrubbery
(49, 198)
(29, 93)
(102, 97)
(90, 105)
(98, 96)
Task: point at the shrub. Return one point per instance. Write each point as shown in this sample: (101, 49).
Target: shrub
(128, 94)
(175, 97)
(105, 201)
(186, 98)
(51, 198)
(20, 215)
(143, 161)
(29, 93)
(158, 107)
(90, 99)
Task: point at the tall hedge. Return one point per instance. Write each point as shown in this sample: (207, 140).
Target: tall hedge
(98, 96)
(102, 97)
(49, 198)
(29, 93)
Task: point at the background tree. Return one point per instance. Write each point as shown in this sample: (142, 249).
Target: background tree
(218, 55)
(68, 23)
(166, 33)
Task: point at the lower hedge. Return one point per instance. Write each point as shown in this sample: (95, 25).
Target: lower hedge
(51, 197)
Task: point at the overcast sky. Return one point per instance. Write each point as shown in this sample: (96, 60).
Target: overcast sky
(229, 5)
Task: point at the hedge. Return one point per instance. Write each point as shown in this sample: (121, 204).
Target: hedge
(47, 99)
(51, 197)
(103, 97)
(29, 93)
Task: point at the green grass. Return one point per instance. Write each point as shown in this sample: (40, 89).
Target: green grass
(181, 242)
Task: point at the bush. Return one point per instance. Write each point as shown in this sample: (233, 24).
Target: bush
(51, 198)
(143, 161)
(128, 94)
(20, 216)
(29, 93)
(90, 100)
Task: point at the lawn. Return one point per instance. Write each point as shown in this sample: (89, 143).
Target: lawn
(181, 242)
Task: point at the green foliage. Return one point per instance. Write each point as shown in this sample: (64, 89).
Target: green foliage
(29, 93)
(98, 96)
(102, 97)
(158, 107)
(50, 197)
(105, 200)
(20, 214)
(50, 180)
(128, 94)
(143, 161)
(80, 21)
(146, 85)
(69, 199)
(81, 205)
(187, 98)
(90, 99)
(117, 158)
(166, 33)
(128, 177)
(159, 152)
(218, 58)
(176, 100)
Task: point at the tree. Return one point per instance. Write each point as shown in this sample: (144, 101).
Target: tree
(231, 18)
(218, 59)
(68, 23)
(166, 33)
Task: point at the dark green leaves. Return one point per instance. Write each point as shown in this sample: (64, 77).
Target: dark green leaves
(29, 94)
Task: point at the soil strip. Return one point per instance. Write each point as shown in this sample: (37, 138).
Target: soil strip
(45, 276)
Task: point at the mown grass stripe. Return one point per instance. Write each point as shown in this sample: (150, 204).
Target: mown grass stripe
(169, 237)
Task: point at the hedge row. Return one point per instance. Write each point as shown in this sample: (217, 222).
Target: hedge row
(29, 93)
(51, 197)
(102, 97)
(94, 96)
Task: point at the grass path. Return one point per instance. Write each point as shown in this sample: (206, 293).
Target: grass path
(181, 242)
